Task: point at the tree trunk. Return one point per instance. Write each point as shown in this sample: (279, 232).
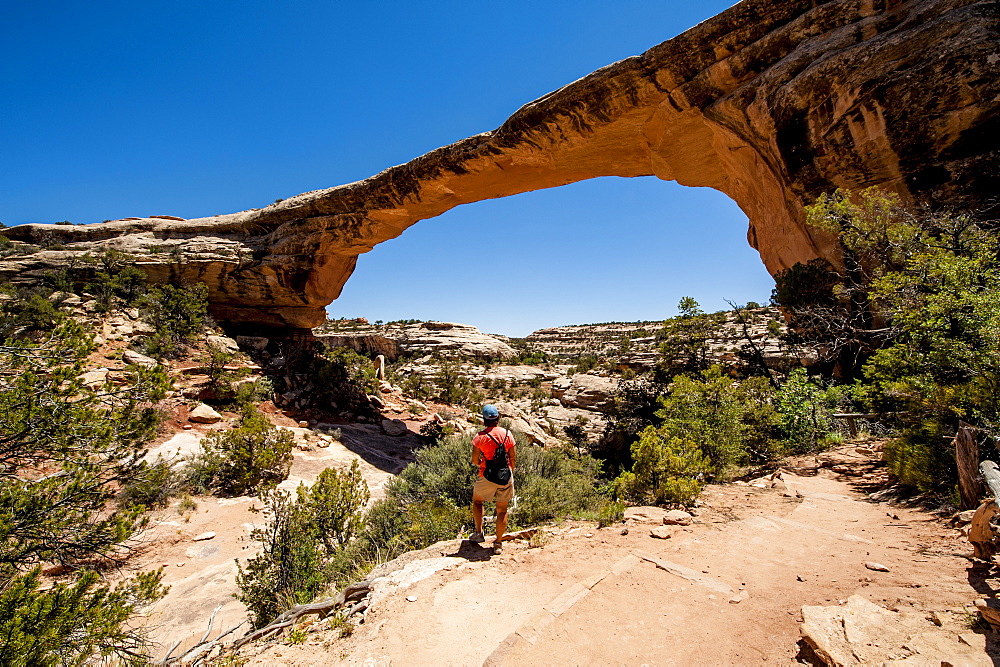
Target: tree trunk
(970, 487)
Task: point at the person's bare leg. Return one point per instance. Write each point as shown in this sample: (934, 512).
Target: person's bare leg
(501, 522)
(477, 513)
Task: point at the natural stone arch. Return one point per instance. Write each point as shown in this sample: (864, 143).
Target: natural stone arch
(769, 102)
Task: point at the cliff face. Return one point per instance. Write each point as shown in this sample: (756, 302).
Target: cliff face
(771, 102)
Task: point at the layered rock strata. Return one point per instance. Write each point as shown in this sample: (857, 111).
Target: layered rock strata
(446, 340)
(771, 102)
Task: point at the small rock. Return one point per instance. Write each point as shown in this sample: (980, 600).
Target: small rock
(180, 564)
(661, 532)
(962, 518)
(204, 536)
(677, 518)
(799, 578)
(878, 567)
(411, 598)
(736, 599)
(323, 444)
(303, 424)
(624, 531)
(203, 414)
(376, 402)
(187, 427)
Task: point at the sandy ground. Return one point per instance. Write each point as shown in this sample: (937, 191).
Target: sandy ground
(732, 591)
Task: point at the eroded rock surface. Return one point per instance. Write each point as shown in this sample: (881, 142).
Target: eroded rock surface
(589, 392)
(446, 340)
(769, 102)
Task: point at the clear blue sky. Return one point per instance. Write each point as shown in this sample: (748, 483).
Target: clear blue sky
(118, 109)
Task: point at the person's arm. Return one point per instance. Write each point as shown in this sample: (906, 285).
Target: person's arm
(477, 456)
(512, 452)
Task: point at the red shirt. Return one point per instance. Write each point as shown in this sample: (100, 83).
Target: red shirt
(485, 444)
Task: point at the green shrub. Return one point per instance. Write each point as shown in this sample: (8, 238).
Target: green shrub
(177, 316)
(303, 542)
(549, 483)
(453, 387)
(634, 407)
(254, 456)
(291, 567)
(67, 450)
(806, 411)
(334, 502)
(116, 281)
(29, 312)
(220, 378)
(341, 376)
(731, 422)
(254, 391)
(685, 349)
(153, 486)
(666, 469)
(917, 458)
(74, 623)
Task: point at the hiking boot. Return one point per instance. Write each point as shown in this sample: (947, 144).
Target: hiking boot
(477, 537)
(497, 546)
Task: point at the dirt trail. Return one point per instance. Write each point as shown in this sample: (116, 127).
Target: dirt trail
(731, 592)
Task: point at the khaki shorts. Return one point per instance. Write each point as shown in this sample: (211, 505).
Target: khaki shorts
(487, 490)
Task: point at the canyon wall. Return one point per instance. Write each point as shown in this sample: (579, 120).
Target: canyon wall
(771, 102)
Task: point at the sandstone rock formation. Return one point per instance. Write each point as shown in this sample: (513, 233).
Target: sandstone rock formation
(771, 102)
(589, 392)
(447, 340)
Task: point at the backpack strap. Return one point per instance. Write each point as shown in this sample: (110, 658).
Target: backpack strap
(499, 444)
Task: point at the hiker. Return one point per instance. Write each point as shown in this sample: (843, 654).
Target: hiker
(494, 464)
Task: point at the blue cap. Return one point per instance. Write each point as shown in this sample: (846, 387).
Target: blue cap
(490, 412)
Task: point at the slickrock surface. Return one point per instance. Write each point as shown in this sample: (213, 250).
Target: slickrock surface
(769, 102)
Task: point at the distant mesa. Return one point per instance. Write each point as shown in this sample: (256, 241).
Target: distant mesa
(770, 102)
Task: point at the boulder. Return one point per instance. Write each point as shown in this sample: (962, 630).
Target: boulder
(522, 422)
(94, 378)
(589, 392)
(394, 427)
(133, 357)
(560, 417)
(224, 343)
(255, 343)
(204, 414)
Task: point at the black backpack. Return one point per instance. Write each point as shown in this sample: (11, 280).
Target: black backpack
(497, 469)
